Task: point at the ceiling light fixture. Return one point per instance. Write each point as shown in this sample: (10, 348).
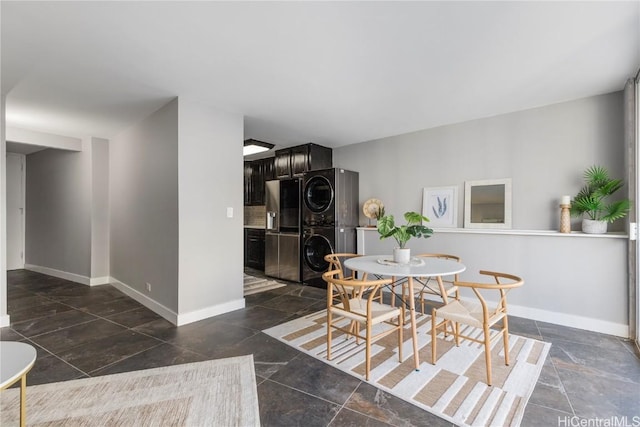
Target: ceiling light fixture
(253, 146)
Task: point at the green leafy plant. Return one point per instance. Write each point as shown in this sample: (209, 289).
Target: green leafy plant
(590, 200)
(402, 234)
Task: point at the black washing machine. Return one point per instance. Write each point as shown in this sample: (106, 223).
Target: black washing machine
(321, 241)
(330, 198)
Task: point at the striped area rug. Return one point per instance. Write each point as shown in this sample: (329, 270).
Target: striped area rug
(212, 393)
(253, 285)
(453, 389)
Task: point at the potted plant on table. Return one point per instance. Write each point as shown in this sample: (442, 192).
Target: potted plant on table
(402, 234)
(590, 202)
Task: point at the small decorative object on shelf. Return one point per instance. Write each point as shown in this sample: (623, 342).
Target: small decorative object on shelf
(373, 208)
(565, 214)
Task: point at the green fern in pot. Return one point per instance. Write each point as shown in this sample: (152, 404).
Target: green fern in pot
(591, 200)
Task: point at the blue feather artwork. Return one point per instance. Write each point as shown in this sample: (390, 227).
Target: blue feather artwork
(441, 209)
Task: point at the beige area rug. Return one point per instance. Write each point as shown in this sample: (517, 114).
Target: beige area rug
(453, 389)
(216, 392)
(253, 285)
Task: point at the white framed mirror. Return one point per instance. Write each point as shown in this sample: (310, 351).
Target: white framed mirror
(487, 203)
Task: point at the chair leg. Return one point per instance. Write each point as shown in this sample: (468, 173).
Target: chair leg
(328, 334)
(433, 335)
(456, 333)
(505, 338)
(368, 351)
(400, 328)
(487, 351)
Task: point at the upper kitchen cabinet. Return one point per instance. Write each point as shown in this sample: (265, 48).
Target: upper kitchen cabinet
(255, 175)
(295, 161)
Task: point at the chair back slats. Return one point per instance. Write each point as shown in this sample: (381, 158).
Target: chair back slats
(335, 263)
(499, 285)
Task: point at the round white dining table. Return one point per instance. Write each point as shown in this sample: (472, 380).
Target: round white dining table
(382, 265)
(16, 360)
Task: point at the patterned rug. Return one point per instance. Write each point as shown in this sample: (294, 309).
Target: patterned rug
(453, 389)
(216, 392)
(253, 285)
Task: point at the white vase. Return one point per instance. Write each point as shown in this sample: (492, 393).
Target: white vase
(401, 255)
(591, 226)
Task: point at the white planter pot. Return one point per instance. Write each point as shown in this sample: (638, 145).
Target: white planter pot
(591, 226)
(402, 256)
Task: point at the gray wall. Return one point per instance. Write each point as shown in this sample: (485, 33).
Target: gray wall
(99, 207)
(210, 180)
(144, 206)
(544, 150)
(558, 270)
(58, 210)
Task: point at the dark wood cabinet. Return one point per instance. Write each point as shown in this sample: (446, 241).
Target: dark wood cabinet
(254, 240)
(295, 161)
(248, 171)
(255, 175)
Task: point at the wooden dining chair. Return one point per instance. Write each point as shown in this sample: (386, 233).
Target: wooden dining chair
(336, 262)
(478, 315)
(432, 286)
(357, 305)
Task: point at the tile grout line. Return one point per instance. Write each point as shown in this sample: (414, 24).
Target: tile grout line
(555, 368)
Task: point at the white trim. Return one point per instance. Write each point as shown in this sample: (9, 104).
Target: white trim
(172, 316)
(4, 321)
(145, 300)
(214, 310)
(571, 320)
(545, 233)
(84, 280)
(554, 317)
(95, 281)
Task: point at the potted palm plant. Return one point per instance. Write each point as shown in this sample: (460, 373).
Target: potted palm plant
(591, 201)
(403, 233)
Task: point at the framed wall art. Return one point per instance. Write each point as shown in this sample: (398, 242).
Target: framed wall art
(440, 205)
(487, 203)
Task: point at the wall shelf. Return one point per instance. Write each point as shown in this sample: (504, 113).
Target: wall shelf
(509, 232)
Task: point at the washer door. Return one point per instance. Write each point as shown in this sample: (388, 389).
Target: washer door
(314, 250)
(318, 194)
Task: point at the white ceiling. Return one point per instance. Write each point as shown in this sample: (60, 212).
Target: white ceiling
(334, 73)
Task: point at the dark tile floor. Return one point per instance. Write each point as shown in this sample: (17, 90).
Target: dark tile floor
(82, 331)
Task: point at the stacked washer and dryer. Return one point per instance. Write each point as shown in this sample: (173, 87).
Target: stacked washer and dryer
(329, 219)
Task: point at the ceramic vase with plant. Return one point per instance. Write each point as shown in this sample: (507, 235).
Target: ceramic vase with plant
(591, 201)
(403, 233)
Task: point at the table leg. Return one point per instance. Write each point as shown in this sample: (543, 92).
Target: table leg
(412, 315)
(23, 398)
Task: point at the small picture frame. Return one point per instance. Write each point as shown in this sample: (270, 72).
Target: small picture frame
(440, 205)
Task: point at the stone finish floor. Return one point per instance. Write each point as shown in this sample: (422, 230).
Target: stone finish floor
(82, 331)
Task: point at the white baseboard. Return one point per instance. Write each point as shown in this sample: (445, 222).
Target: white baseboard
(571, 320)
(563, 319)
(58, 273)
(96, 281)
(214, 310)
(5, 321)
(77, 278)
(172, 316)
(145, 300)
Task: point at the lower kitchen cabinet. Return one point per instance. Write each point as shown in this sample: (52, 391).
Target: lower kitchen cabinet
(254, 240)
